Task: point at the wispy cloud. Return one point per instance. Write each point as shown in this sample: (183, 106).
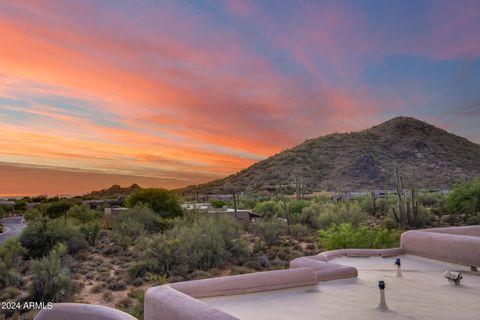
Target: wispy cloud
(202, 90)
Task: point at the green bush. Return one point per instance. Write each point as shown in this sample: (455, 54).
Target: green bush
(218, 203)
(50, 279)
(296, 206)
(465, 198)
(126, 232)
(268, 209)
(32, 214)
(473, 219)
(145, 216)
(12, 252)
(40, 236)
(196, 242)
(20, 206)
(299, 230)
(161, 201)
(90, 231)
(82, 214)
(56, 209)
(6, 278)
(270, 230)
(345, 236)
(322, 215)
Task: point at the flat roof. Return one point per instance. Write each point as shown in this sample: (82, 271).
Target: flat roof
(421, 293)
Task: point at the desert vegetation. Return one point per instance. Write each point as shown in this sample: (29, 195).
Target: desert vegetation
(68, 253)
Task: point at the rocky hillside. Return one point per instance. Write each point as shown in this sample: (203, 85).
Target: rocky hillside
(362, 160)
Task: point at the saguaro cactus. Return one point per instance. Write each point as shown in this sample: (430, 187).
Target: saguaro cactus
(407, 208)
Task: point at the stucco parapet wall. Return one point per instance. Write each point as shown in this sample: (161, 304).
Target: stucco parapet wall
(473, 231)
(446, 246)
(332, 254)
(164, 302)
(80, 311)
(325, 271)
(247, 283)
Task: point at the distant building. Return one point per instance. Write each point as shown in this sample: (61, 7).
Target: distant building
(7, 203)
(33, 205)
(243, 216)
(198, 206)
(109, 214)
(100, 204)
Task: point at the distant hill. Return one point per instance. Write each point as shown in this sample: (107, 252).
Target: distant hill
(113, 192)
(362, 160)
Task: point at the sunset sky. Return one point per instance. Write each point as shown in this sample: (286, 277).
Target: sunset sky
(172, 93)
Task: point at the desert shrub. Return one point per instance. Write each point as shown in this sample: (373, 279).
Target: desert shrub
(81, 214)
(196, 242)
(296, 206)
(3, 213)
(127, 232)
(218, 203)
(253, 264)
(241, 270)
(473, 219)
(423, 217)
(269, 230)
(90, 231)
(56, 209)
(346, 236)
(432, 200)
(9, 294)
(12, 252)
(163, 202)
(299, 230)
(32, 214)
(20, 206)
(50, 279)
(107, 296)
(124, 303)
(143, 215)
(137, 282)
(322, 215)
(268, 209)
(6, 278)
(366, 204)
(136, 309)
(41, 198)
(40, 236)
(98, 288)
(117, 285)
(465, 198)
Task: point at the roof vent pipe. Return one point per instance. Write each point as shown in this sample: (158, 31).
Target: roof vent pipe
(383, 304)
(398, 264)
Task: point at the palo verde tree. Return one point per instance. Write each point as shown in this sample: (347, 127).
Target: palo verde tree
(163, 202)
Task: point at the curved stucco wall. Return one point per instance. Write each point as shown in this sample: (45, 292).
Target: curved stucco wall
(332, 254)
(456, 248)
(80, 311)
(246, 283)
(163, 302)
(177, 301)
(324, 271)
(473, 231)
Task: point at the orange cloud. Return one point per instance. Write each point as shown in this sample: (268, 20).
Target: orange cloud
(165, 93)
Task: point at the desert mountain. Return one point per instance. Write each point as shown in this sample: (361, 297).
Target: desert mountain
(362, 160)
